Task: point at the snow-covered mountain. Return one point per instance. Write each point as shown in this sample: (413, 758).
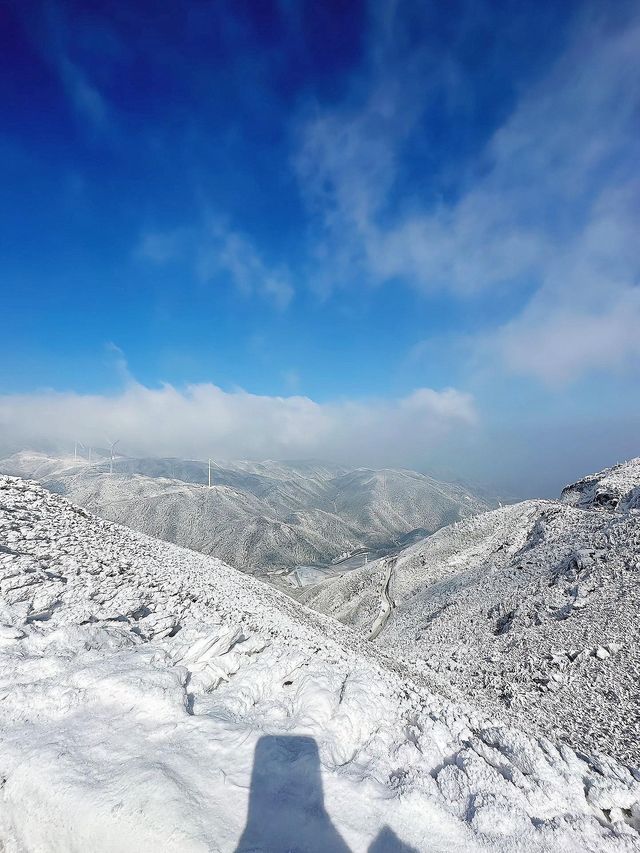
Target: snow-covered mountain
(534, 607)
(154, 699)
(256, 515)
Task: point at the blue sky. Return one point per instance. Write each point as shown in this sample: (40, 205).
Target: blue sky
(282, 226)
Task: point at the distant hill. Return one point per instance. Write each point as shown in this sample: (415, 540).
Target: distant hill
(257, 515)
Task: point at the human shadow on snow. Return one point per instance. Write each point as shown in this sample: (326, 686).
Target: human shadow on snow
(286, 804)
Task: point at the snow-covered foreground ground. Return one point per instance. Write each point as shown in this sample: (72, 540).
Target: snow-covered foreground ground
(153, 699)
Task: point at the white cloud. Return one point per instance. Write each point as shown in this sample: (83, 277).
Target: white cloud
(203, 420)
(559, 342)
(555, 207)
(585, 314)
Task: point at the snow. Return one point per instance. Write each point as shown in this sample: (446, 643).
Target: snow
(155, 699)
(531, 610)
(616, 488)
(255, 516)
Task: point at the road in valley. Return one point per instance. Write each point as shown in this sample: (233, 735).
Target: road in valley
(386, 604)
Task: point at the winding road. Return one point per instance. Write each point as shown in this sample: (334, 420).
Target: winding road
(386, 604)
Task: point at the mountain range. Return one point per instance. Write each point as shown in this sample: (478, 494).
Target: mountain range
(257, 516)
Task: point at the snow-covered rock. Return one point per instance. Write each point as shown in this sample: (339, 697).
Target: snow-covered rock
(154, 699)
(615, 488)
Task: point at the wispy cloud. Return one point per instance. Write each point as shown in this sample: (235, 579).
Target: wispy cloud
(586, 313)
(84, 96)
(554, 209)
(161, 247)
(227, 252)
(52, 32)
(559, 342)
(215, 252)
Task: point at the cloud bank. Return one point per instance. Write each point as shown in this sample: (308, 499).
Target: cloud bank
(204, 420)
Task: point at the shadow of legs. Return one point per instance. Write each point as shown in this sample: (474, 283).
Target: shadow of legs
(286, 800)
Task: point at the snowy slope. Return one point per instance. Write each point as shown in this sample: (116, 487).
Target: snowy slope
(154, 699)
(533, 607)
(614, 488)
(256, 515)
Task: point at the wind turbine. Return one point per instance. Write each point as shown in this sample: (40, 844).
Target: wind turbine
(112, 445)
